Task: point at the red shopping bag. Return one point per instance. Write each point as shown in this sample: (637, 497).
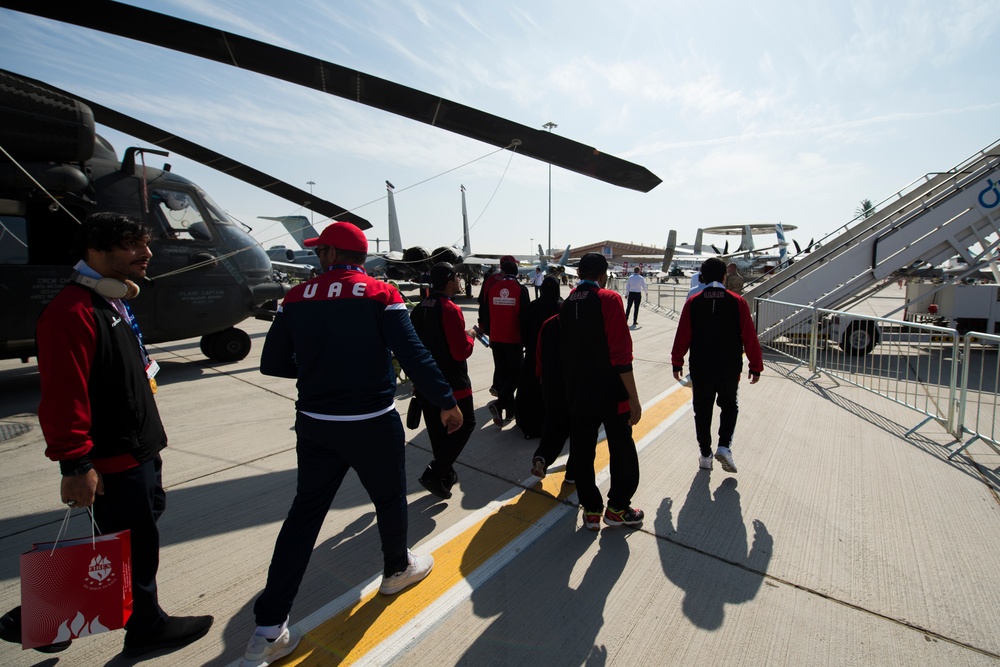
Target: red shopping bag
(75, 588)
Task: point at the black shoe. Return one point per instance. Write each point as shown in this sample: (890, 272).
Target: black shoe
(175, 632)
(433, 483)
(10, 631)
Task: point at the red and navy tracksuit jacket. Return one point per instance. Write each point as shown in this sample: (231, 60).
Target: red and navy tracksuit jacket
(336, 335)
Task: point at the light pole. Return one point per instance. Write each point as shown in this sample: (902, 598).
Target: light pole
(531, 248)
(311, 184)
(549, 126)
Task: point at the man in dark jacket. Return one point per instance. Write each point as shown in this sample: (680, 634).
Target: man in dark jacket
(717, 327)
(336, 335)
(530, 408)
(99, 417)
(596, 358)
(441, 327)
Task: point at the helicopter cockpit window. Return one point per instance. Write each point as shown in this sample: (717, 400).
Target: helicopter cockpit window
(13, 240)
(180, 216)
(213, 210)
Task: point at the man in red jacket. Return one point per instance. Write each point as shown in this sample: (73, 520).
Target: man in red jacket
(500, 316)
(99, 418)
(717, 327)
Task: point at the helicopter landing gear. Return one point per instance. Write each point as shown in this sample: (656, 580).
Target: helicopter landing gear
(227, 345)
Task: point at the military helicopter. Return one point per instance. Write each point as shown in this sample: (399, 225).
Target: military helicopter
(224, 268)
(213, 274)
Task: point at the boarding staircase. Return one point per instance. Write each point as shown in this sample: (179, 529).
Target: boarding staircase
(924, 224)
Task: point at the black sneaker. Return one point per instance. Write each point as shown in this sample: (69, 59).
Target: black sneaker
(496, 412)
(437, 486)
(175, 632)
(10, 630)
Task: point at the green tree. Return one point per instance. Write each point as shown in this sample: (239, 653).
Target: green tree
(865, 210)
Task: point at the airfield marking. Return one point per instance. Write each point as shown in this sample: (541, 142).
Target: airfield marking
(362, 623)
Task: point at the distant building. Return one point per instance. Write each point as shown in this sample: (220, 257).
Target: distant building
(618, 252)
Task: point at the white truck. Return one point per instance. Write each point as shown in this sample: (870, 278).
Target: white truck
(956, 306)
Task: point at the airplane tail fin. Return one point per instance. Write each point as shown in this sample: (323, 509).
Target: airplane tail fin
(542, 262)
(395, 240)
(747, 242)
(668, 252)
(565, 257)
(697, 242)
(467, 247)
(297, 226)
(782, 244)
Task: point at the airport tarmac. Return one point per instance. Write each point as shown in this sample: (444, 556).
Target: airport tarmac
(840, 541)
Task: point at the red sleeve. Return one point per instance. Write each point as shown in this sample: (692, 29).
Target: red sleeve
(616, 329)
(453, 322)
(67, 341)
(751, 344)
(682, 337)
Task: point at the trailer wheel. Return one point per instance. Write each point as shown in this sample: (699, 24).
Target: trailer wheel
(859, 339)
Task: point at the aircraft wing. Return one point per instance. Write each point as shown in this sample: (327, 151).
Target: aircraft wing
(250, 54)
(171, 142)
(481, 261)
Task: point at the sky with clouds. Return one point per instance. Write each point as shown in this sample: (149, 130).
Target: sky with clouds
(756, 112)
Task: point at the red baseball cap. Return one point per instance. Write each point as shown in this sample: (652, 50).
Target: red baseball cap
(508, 258)
(343, 235)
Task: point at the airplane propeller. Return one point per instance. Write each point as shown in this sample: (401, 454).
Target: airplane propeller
(253, 55)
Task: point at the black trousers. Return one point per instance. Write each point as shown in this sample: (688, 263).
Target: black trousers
(708, 389)
(326, 450)
(134, 500)
(634, 299)
(447, 446)
(507, 358)
(555, 430)
(624, 459)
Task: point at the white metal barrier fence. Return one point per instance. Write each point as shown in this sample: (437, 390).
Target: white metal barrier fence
(915, 365)
(978, 402)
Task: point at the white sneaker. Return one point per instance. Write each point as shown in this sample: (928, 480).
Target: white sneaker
(705, 462)
(725, 457)
(418, 568)
(261, 652)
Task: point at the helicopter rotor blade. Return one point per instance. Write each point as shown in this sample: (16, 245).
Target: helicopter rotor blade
(253, 55)
(175, 144)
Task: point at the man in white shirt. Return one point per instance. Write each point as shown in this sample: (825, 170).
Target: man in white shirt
(636, 288)
(537, 280)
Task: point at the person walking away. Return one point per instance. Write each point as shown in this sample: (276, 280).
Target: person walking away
(556, 421)
(636, 288)
(489, 279)
(734, 281)
(336, 335)
(717, 328)
(440, 325)
(537, 279)
(596, 358)
(529, 406)
(500, 318)
(99, 417)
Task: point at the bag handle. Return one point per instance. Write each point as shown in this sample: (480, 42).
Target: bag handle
(94, 530)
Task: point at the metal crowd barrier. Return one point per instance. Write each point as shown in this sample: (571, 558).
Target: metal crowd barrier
(978, 402)
(915, 365)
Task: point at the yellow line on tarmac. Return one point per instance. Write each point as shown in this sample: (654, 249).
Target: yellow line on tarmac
(350, 634)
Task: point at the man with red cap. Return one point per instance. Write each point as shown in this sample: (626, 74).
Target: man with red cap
(336, 335)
